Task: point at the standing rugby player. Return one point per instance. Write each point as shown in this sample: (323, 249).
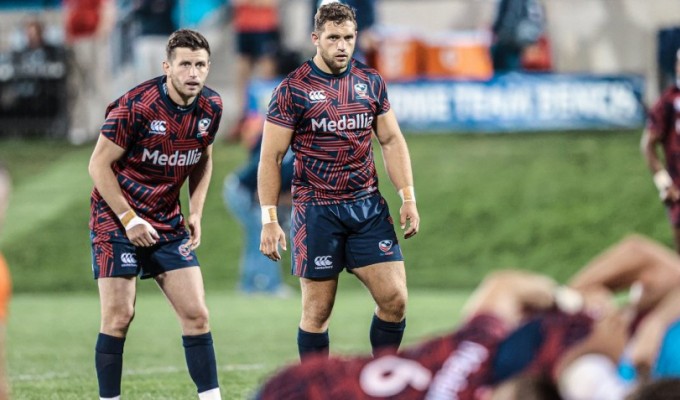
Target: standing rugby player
(662, 133)
(327, 110)
(155, 137)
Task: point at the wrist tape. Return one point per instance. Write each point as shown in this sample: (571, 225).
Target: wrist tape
(568, 300)
(269, 214)
(407, 193)
(662, 180)
(130, 219)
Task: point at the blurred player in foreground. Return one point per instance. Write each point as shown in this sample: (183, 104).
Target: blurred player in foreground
(5, 284)
(155, 137)
(515, 344)
(457, 366)
(663, 131)
(327, 111)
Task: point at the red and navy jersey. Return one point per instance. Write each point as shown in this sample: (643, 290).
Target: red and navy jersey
(664, 124)
(332, 117)
(461, 366)
(456, 366)
(163, 143)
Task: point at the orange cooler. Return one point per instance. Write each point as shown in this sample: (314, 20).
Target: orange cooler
(397, 56)
(458, 55)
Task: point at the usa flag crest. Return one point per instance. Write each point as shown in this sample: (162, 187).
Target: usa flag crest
(203, 126)
(360, 89)
(385, 245)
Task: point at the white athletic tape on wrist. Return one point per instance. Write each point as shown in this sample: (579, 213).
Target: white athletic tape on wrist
(269, 214)
(130, 219)
(568, 300)
(662, 180)
(407, 193)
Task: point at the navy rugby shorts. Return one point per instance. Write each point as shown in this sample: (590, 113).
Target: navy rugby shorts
(329, 238)
(119, 257)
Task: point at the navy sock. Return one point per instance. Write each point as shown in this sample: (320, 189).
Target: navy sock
(200, 356)
(312, 343)
(108, 360)
(386, 334)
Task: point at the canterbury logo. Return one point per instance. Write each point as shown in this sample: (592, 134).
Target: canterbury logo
(157, 127)
(324, 261)
(317, 95)
(128, 260)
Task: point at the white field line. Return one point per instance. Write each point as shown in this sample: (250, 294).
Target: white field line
(135, 372)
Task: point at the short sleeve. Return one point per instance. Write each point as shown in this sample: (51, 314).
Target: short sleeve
(660, 117)
(282, 110)
(118, 126)
(383, 101)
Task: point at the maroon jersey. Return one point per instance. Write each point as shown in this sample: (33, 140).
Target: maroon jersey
(456, 366)
(664, 125)
(163, 143)
(332, 117)
(461, 366)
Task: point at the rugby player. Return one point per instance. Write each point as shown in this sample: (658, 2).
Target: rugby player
(663, 133)
(326, 111)
(155, 137)
(462, 365)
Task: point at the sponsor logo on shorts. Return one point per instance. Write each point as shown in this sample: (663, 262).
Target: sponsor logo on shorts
(324, 262)
(203, 126)
(128, 260)
(157, 127)
(385, 246)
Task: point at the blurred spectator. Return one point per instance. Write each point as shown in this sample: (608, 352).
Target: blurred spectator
(366, 19)
(256, 24)
(5, 285)
(88, 24)
(258, 274)
(38, 82)
(668, 40)
(155, 22)
(518, 24)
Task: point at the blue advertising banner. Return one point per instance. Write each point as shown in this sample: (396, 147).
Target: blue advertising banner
(509, 102)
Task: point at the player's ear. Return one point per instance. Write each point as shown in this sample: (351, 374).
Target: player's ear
(315, 38)
(166, 67)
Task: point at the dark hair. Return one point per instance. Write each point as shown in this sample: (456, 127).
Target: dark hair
(663, 389)
(186, 38)
(335, 12)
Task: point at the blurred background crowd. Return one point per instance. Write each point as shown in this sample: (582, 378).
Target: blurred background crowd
(62, 61)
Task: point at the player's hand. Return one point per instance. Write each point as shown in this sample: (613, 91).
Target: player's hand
(409, 212)
(272, 236)
(194, 226)
(142, 234)
(670, 195)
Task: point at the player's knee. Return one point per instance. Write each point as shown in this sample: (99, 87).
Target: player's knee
(394, 304)
(118, 321)
(196, 319)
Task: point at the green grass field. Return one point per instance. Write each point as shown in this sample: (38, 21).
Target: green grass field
(51, 340)
(545, 202)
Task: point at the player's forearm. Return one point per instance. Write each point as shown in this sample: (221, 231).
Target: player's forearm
(648, 148)
(269, 181)
(398, 162)
(106, 183)
(199, 182)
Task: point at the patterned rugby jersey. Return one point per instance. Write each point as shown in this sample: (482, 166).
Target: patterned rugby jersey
(664, 124)
(332, 117)
(458, 366)
(163, 143)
